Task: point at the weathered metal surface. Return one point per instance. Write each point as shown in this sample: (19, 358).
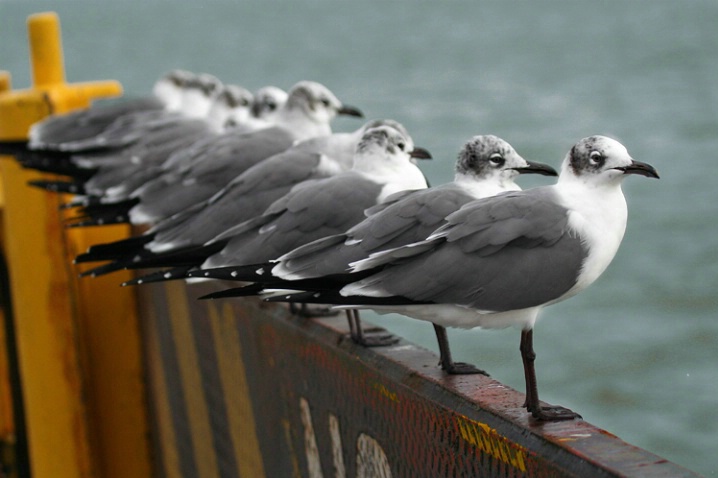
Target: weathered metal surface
(78, 344)
(242, 389)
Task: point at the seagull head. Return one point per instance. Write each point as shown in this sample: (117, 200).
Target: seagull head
(267, 100)
(385, 148)
(170, 87)
(317, 103)
(599, 160)
(391, 124)
(231, 106)
(491, 164)
(199, 95)
(386, 155)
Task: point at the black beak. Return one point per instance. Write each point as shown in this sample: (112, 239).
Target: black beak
(420, 153)
(637, 167)
(350, 111)
(537, 168)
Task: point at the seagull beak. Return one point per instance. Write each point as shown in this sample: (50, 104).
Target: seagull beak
(637, 167)
(536, 168)
(350, 111)
(420, 153)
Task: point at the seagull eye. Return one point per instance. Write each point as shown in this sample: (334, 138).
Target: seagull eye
(401, 146)
(497, 160)
(326, 102)
(596, 158)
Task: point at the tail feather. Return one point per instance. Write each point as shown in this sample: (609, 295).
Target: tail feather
(104, 269)
(333, 297)
(115, 250)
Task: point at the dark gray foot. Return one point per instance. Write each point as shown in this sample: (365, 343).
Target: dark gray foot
(375, 339)
(462, 368)
(552, 413)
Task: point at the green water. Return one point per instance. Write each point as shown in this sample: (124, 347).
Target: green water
(637, 353)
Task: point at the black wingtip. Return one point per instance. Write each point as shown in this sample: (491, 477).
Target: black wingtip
(104, 269)
(68, 187)
(160, 276)
(246, 291)
(249, 273)
(333, 297)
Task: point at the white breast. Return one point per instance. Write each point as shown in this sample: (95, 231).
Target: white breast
(598, 216)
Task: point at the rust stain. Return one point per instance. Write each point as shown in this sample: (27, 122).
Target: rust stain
(489, 441)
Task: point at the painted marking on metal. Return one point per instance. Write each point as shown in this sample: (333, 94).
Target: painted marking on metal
(310, 441)
(168, 452)
(382, 389)
(197, 412)
(371, 459)
(337, 455)
(236, 392)
(489, 441)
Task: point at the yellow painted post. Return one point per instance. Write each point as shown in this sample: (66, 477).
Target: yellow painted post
(78, 342)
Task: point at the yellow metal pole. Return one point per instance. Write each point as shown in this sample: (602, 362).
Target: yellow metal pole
(79, 348)
(48, 68)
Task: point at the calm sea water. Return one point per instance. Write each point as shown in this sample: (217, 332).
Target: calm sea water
(637, 353)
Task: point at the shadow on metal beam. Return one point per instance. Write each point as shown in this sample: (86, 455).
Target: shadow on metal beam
(240, 388)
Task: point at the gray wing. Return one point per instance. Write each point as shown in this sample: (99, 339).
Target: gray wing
(393, 199)
(496, 254)
(245, 197)
(146, 154)
(81, 125)
(175, 192)
(326, 207)
(230, 160)
(125, 131)
(410, 216)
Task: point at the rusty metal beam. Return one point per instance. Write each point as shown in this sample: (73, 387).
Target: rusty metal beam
(244, 389)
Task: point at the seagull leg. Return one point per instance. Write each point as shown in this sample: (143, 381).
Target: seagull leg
(532, 403)
(447, 363)
(356, 332)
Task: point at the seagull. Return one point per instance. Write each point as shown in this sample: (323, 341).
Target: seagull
(50, 140)
(307, 113)
(267, 101)
(230, 107)
(56, 131)
(498, 261)
(382, 166)
(136, 138)
(486, 165)
(196, 97)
